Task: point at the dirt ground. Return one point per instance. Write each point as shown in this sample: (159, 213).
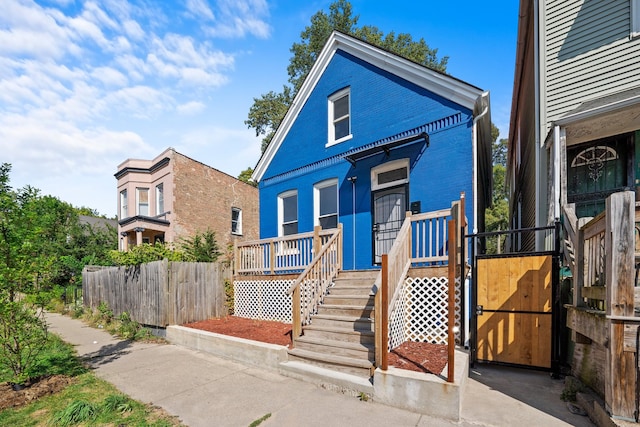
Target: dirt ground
(412, 356)
(32, 391)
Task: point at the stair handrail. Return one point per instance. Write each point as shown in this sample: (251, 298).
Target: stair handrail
(320, 272)
(387, 287)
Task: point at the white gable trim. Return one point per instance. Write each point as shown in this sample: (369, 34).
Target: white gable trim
(446, 86)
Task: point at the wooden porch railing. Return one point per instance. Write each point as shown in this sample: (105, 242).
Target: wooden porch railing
(427, 238)
(604, 275)
(308, 290)
(279, 255)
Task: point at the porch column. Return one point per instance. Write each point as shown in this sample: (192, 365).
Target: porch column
(620, 370)
(138, 231)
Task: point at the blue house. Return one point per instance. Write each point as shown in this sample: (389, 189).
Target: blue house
(370, 136)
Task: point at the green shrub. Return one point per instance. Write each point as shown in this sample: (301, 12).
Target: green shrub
(76, 412)
(23, 336)
(116, 403)
(229, 300)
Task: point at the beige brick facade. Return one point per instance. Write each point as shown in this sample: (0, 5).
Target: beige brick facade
(196, 197)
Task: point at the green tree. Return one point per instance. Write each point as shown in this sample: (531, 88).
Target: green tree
(267, 112)
(245, 176)
(497, 216)
(202, 247)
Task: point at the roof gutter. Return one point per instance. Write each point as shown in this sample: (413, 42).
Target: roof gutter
(476, 119)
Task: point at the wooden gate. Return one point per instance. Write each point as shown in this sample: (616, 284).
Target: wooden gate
(514, 308)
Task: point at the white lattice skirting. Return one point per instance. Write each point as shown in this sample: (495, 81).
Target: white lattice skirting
(263, 299)
(421, 312)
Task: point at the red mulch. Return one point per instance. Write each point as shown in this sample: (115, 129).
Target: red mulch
(412, 356)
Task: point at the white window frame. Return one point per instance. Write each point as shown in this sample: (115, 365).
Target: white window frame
(331, 120)
(124, 205)
(238, 222)
(281, 222)
(139, 190)
(635, 19)
(160, 199)
(316, 199)
(386, 167)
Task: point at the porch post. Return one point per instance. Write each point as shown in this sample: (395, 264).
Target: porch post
(384, 309)
(451, 302)
(620, 369)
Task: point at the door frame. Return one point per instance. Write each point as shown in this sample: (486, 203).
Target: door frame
(373, 214)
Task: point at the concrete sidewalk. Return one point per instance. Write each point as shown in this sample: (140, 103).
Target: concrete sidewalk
(204, 390)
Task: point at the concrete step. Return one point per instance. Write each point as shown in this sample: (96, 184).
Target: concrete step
(349, 365)
(346, 310)
(351, 300)
(355, 323)
(336, 348)
(328, 379)
(339, 333)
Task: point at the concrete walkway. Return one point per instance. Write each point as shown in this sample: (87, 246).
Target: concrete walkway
(204, 390)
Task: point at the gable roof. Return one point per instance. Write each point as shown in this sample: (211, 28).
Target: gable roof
(439, 83)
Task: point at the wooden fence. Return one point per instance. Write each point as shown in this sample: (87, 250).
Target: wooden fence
(159, 293)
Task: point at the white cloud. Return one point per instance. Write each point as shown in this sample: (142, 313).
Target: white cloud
(86, 85)
(191, 108)
(199, 9)
(238, 18)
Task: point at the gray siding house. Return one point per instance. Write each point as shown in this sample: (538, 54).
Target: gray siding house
(573, 157)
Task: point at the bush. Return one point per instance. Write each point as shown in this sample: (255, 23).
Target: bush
(23, 336)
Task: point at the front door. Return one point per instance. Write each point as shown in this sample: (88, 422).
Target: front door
(389, 209)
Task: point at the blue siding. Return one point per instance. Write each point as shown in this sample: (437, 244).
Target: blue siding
(382, 105)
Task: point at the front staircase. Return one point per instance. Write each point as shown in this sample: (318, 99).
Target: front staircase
(340, 336)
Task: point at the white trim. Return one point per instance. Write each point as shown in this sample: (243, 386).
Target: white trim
(159, 195)
(386, 167)
(331, 122)
(441, 84)
(124, 207)
(238, 231)
(281, 198)
(316, 198)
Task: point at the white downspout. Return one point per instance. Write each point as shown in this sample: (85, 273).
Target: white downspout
(475, 162)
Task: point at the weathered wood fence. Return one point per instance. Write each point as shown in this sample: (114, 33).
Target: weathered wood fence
(159, 293)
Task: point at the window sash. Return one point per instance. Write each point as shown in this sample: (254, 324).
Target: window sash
(124, 208)
(288, 213)
(142, 194)
(339, 116)
(236, 221)
(159, 199)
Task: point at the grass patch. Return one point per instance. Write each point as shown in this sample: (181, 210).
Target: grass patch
(57, 357)
(260, 420)
(84, 402)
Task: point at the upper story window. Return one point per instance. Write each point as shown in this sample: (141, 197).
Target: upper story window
(142, 201)
(124, 208)
(288, 213)
(635, 18)
(339, 116)
(325, 202)
(236, 221)
(159, 199)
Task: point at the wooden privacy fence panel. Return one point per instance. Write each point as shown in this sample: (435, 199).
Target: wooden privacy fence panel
(159, 293)
(515, 321)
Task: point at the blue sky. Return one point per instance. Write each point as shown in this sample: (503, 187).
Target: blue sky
(84, 85)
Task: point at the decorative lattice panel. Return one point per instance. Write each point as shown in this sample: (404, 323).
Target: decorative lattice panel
(426, 310)
(397, 329)
(263, 299)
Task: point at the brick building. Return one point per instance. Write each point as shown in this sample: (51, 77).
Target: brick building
(172, 197)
